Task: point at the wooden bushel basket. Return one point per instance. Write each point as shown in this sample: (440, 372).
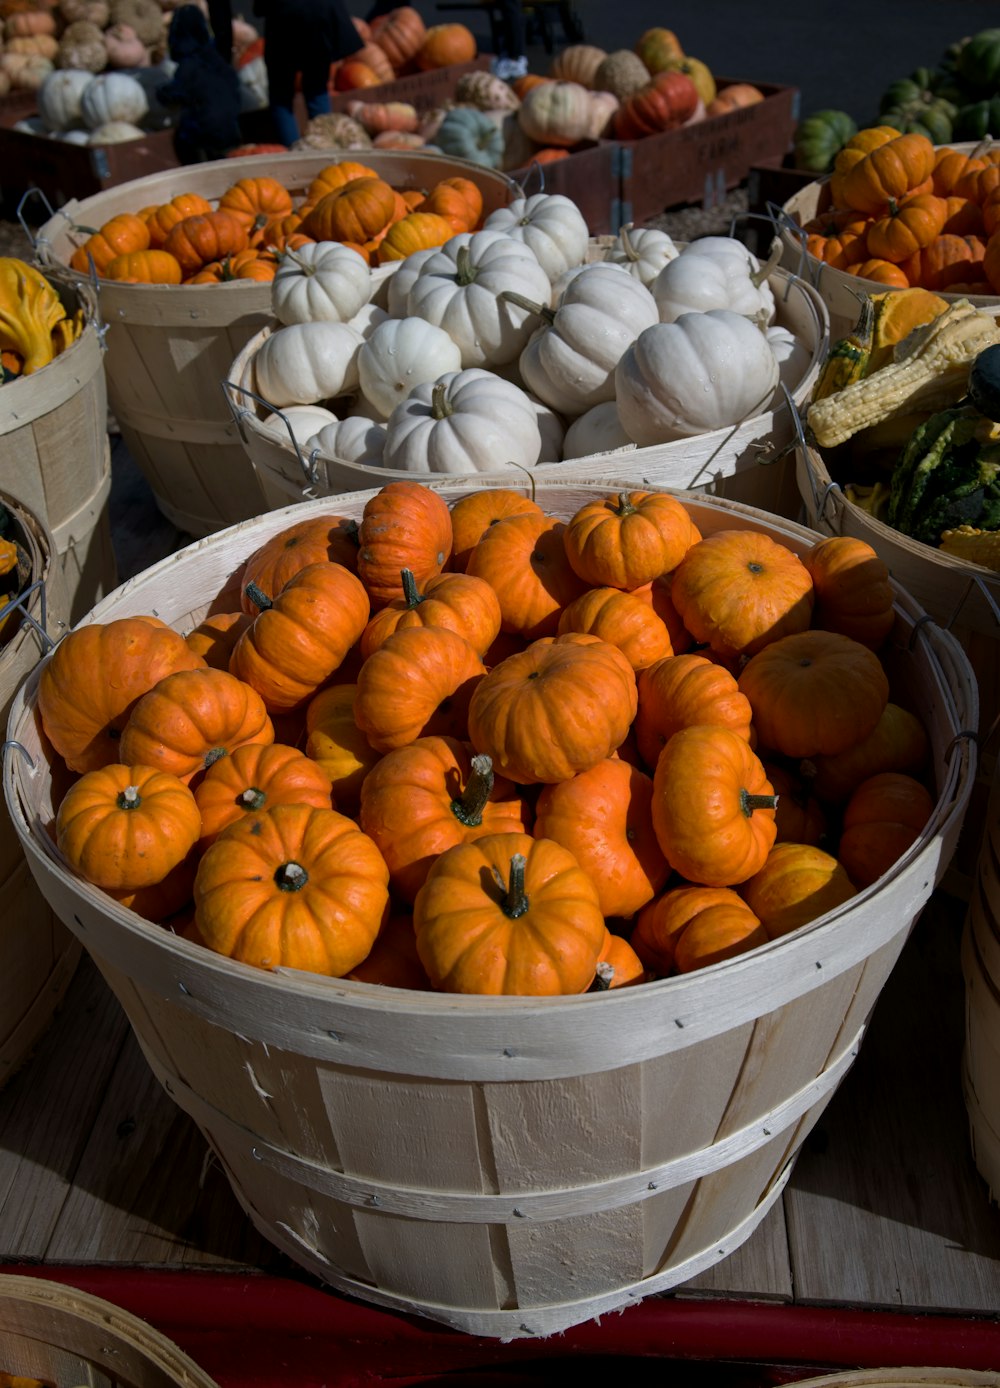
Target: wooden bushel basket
(731, 462)
(507, 1166)
(981, 970)
(37, 953)
(56, 1333)
(904, 1378)
(170, 347)
(54, 456)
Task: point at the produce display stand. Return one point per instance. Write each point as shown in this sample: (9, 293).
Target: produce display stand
(421, 89)
(699, 162)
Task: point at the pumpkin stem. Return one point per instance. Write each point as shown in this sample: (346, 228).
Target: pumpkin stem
(129, 798)
(624, 507)
(258, 598)
(630, 251)
(468, 807)
(771, 263)
(411, 595)
(603, 978)
(466, 272)
(515, 903)
(749, 803)
(291, 877)
(251, 798)
(511, 296)
(214, 755)
(440, 409)
(303, 265)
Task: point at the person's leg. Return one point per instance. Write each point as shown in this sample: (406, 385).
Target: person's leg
(316, 85)
(281, 94)
(511, 62)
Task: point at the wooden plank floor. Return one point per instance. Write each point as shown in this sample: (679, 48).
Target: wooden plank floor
(884, 1209)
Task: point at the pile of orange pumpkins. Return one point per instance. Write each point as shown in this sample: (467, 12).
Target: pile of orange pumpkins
(189, 241)
(476, 748)
(906, 213)
(398, 43)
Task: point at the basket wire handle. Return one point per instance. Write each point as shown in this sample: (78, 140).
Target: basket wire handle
(60, 274)
(310, 469)
(535, 169)
(19, 602)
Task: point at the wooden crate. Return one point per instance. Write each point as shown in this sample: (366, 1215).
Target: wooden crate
(55, 457)
(508, 1166)
(170, 347)
(64, 171)
(697, 163)
(38, 953)
(60, 1335)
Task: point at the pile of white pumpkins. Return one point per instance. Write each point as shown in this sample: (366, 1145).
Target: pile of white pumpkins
(95, 66)
(512, 346)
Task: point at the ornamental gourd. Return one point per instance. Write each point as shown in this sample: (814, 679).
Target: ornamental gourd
(354, 439)
(320, 281)
(705, 371)
(113, 96)
(643, 251)
(463, 422)
(308, 362)
(570, 362)
(458, 288)
(550, 225)
(402, 353)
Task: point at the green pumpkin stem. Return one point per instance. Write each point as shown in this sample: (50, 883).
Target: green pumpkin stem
(749, 803)
(251, 799)
(411, 594)
(469, 806)
(214, 755)
(257, 597)
(466, 272)
(291, 877)
(624, 506)
(511, 296)
(515, 902)
(129, 798)
(440, 409)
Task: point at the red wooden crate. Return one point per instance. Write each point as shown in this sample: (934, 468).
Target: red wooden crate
(590, 175)
(421, 89)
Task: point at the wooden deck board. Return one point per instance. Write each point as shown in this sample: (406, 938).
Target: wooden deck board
(884, 1208)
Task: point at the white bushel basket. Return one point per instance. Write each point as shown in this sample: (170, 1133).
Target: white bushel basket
(508, 1166)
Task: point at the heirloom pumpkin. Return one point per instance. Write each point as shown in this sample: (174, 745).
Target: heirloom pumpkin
(294, 887)
(509, 914)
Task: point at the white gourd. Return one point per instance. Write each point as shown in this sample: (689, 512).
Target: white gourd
(552, 430)
(403, 278)
(459, 289)
(704, 372)
(598, 431)
(402, 353)
(792, 355)
(464, 422)
(321, 280)
(59, 97)
(355, 440)
(113, 96)
(717, 272)
(643, 252)
(570, 364)
(550, 224)
(115, 132)
(302, 420)
(367, 319)
(307, 362)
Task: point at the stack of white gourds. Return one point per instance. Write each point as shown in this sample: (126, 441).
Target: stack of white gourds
(505, 346)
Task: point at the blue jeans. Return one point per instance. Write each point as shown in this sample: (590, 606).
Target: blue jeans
(287, 127)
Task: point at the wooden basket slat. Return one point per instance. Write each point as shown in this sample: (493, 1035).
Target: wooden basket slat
(471, 1223)
(56, 1332)
(906, 1378)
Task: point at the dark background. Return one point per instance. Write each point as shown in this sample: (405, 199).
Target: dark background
(840, 55)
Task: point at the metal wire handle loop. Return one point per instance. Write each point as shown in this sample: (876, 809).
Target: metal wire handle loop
(19, 603)
(19, 747)
(535, 169)
(309, 470)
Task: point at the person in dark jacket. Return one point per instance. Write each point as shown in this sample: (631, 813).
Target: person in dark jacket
(303, 37)
(205, 88)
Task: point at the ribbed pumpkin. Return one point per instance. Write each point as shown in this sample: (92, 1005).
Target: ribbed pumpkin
(628, 539)
(334, 740)
(404, 526)
(358, 212)
(417, 684)
(623, 620)
(797, 883)
(460, 602)
(321, 539)
(853, 594)
(205, 237)
(883, 819)
(254, 778)
(472, 516)
(682, 691)
(400, 34)
(335, 176)
(660, 923)
(523, 557)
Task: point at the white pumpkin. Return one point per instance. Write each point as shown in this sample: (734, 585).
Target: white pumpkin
(402, 353)
(403, 279)
(113, 96)
(115, 132)
(551, 225)
(560, 285)
(459, 289)
(307, 362)
(321, 280)
(716, 272)
(792, 355)
(552, 430)
(355, 440)
(72, 137)
(59, 97)
(598, 431)
(368, 318)
(570, 364)
(643, 251)
(302, 420)
(704, 372)
(464, 422)
(253, 85)
(603, 106)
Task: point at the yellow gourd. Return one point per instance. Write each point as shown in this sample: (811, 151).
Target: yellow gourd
(30, 310)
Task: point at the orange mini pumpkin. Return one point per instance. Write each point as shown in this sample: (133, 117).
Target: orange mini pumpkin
(472, 516)
(883, 819)
(628, 539)
(254, 778)
(404, 526)
(797, 883)
(417, 684)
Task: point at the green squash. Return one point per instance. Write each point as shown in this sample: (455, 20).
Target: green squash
(984, 382)
(819, 139)
(467, 133)
(933, 120)
(977, 120)
(979, 63)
